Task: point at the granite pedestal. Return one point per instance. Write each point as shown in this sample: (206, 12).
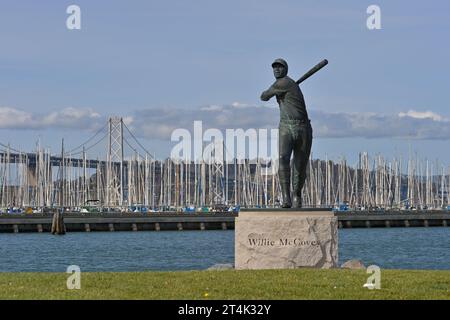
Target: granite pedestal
(286, 239)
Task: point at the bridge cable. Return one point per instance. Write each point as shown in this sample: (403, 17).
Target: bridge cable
(10, 148)
(87, 141)
(137, 141)
(90, 147)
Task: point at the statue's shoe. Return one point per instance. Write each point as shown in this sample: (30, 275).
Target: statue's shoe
(297, 202)
(286, 204)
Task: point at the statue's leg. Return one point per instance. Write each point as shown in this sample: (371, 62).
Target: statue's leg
(302, 150)
(284, 170)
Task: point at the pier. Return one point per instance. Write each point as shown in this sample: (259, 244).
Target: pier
(208, 221)
(358, 219)
(111, 223)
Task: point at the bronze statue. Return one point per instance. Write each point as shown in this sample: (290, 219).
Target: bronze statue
(295, 131)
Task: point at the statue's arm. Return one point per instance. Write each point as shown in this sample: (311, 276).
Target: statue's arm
(269, 93)
(277, 89)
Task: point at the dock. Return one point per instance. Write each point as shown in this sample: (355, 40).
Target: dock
(120, 222)
(388, 219)
(208, 221)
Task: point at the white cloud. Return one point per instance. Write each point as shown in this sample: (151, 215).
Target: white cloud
(11, 118)
(128, 120)
(67, 118)
(212, 107)
(373, 125)
(422, 115)
(240, 105)
(158, 123)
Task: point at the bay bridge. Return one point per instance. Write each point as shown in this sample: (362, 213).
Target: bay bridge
(129, 176)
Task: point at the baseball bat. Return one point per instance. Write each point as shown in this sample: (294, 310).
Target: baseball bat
(313, 70)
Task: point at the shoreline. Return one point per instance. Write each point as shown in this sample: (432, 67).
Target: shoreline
(207, 221)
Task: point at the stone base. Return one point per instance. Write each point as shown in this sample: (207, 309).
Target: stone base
(286, 239)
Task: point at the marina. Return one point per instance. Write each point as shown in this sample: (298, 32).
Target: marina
(129, 178)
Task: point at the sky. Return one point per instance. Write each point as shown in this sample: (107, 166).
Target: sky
(163, 64)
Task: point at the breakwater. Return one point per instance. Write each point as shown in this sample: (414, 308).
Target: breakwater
(119, 222)
(75, 222)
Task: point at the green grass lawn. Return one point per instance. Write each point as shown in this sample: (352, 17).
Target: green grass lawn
(229, 284)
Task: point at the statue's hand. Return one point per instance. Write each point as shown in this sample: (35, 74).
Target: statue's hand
(265, 96)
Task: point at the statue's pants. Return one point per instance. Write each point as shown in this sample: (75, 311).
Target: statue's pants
(294, 136)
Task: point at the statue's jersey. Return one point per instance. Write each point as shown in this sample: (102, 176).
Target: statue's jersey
(289, 97)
